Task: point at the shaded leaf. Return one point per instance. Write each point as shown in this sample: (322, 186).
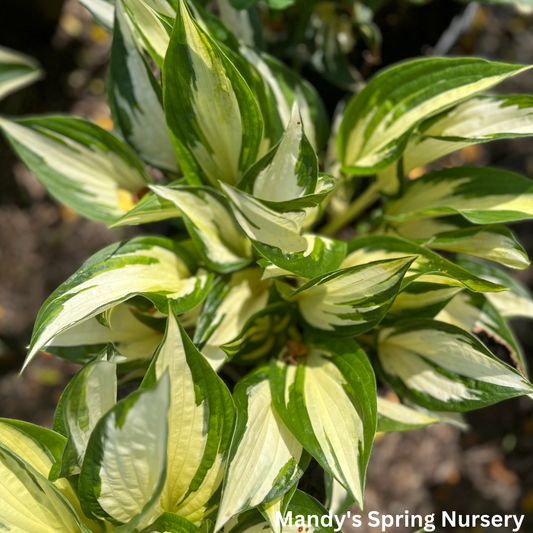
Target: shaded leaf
(16, 71)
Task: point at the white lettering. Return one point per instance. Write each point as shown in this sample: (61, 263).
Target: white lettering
(447, 519)
(429, 523)
(284, 523)
(300, 520)
(386, 522)
(518, 523)
(416, 521)
(327, 520)
(356, 520)
(374, 519)
(339, 522)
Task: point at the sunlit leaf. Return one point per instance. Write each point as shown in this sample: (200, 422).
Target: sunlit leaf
(214, 120)
(201, 420)
(29, 502)
(82, 165)
(328, 401)
(353, 300)
(125, 465)
(379, 120)
(481, 195)
(217, 236)
(444, 368)
(265, 460)
(155, 268)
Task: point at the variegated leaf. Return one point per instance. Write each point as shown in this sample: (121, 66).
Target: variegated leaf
(427, 267)
(322, 254)
(248, 522)
(238, 21)
(155, 268)
(88, 396)
(151, 208)
(136, 99)
(515, 302)
(477, 120)
(423, 229)
(266, 226)
(483, 118)
(287, 177)
(16, 71)
(280, 505)
(338, 499)
(201, 419)
(421, 300)
(277, 236)
(284, 87)
(379, 120)
(289, 171)
(303, 512)
(494, 242)
(476, 314)
(82, 165)
(328, 401)
(455, 234)
(103, 11)
(265, 460)
(394, 416)
(153, 29)
(230, 46)
(228, 307)
(214, 120)
(481, 195)
(134, 340)
(125, 465)
(172, 523)
(262, 334)
(444, 368)
(353, 300)
(29, 502)
(212, 227)
(42, 449)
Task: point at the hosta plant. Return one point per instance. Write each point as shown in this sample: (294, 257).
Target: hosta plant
(301, 265)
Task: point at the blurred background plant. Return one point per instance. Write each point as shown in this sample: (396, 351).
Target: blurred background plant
(337, 45)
